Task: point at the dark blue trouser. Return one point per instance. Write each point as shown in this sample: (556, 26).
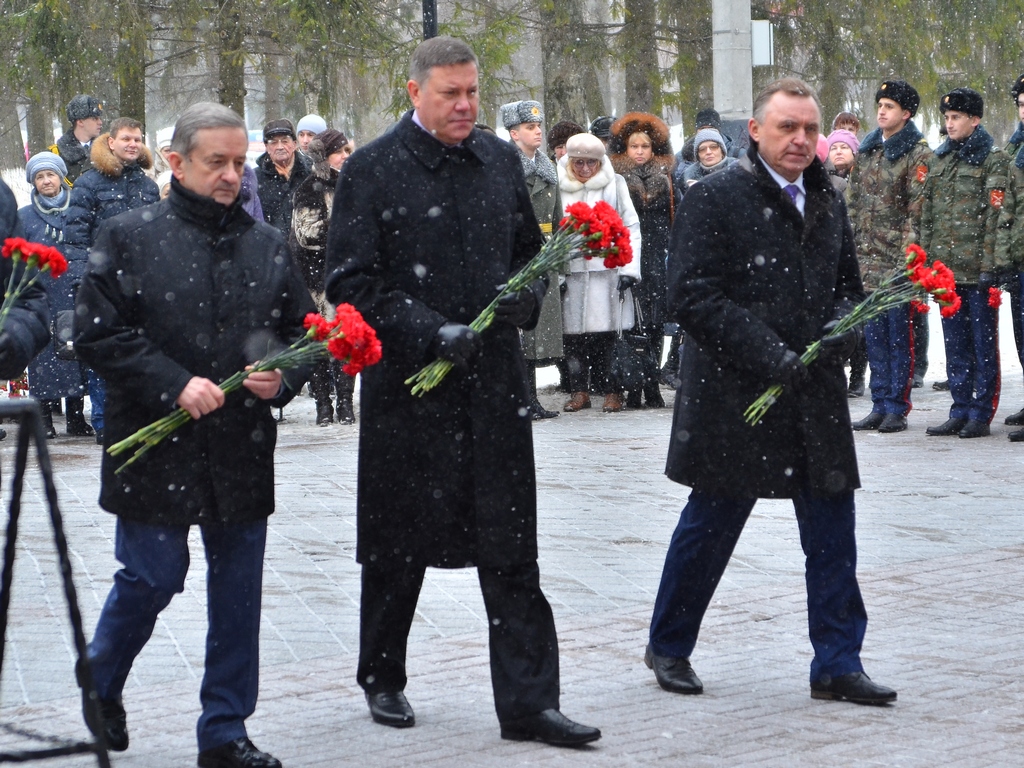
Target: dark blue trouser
(701, 546)
(156, 559)
(97, 400)
(972, 357)
(890, 346)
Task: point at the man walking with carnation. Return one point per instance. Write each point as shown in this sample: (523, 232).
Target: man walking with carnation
(428, 220)
(211, 292)
(761, 265)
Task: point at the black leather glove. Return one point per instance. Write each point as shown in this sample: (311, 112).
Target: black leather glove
(626, 282)
(516, 308)
(456, 343)
(839, 347)
(986, 280)
(790, 370)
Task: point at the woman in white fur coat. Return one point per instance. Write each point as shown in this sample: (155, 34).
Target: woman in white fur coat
(594, 295)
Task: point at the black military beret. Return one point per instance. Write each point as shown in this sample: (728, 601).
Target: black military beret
(902, 92)
(1018, 87)
(965, 100)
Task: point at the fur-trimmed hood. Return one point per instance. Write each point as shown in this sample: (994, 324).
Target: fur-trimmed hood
(630, 123)
(103, 159)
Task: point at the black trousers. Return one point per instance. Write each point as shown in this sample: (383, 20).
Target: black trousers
(588, 356)
(523, 643)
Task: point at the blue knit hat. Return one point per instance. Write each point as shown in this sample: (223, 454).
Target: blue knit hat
(44, 161)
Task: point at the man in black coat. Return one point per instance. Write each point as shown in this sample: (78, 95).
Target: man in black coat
(279, 172)
(85, 113)
(762, 263)
(178, 297)
(428, 220)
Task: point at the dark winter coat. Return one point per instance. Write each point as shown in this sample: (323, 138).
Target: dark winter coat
(750, 278)
(108, 189)
(311, 214)
(75, 156)
(276, 191)
(421, 235)
(652, 193)
(28, 323)
(49, 377)
(189, 288)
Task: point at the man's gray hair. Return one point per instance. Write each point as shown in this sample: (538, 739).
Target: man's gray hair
(205, 114)
(790, 85)
(441, 51)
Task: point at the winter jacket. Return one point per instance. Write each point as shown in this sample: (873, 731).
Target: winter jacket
(885, 196)
(49, 377)
(544, 342)
(421, 234)
(276, 191)
(591, 300)
(28, 323)
(963, 195)
(108, 189)
(189, 287)
(748, 279)
(311, 214)
(75, 156)
(696, 172)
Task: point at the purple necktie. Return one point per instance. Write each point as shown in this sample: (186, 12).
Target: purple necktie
(792, 190)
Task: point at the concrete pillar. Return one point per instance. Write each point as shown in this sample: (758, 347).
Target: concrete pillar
(730, 22)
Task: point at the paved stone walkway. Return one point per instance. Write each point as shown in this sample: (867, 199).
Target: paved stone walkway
(941, 541)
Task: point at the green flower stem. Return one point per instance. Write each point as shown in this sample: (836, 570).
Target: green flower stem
(302, 352)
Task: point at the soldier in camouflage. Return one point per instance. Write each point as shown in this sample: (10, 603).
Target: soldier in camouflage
(1010, 238)
(885, 197)
(963, 195)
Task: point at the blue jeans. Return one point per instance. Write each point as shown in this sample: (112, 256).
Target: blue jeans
(701, 546)
(890, 346)
(156, 559)
(972, 357)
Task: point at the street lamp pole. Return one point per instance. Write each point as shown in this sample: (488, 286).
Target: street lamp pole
(429, 19)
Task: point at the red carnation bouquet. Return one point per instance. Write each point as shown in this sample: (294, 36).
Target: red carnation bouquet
(913, 284)
(587, 231)
(346, 338)
(37, 259)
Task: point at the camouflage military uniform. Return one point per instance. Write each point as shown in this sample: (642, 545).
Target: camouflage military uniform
(885, 196)
(963, 196)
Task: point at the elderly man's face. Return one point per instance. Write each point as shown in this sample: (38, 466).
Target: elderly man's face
(788, 137)
(215, 165)
(447, 101)
(281, 149)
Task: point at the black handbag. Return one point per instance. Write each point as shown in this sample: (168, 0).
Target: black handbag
(63, 335)
(629, 353)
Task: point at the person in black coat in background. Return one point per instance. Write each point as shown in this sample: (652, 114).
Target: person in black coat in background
(211, 291)
(762, 263)
(27, 327)
(428, 220)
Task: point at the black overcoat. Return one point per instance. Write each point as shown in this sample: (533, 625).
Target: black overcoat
(422, 235)
(748, 279)
(183, 288)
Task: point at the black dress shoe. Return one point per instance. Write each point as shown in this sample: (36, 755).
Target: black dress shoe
(893, 423)
(948, 428)
(538, 412)
(940, 386)
(674, 675)
(856, 687)
(975, 429)
(1016, 419)
(240, 753)
(391, 708)
(1017, 436)
(551, 727)
(114, 723)
(871, 421)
